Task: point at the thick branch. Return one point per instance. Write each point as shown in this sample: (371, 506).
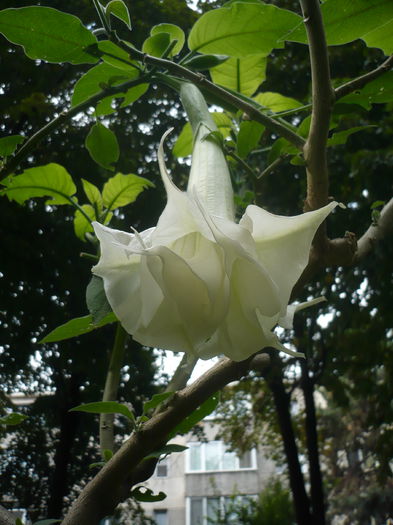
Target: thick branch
(358, 83)
(322, 100)
(112, 484)
(377, 232)
(29, 145)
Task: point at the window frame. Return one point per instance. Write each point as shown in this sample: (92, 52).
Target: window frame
(202, 446)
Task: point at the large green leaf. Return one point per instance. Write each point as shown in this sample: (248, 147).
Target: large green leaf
(51, 181)
(242, 29)
(201, 412)
(379, 91)
(276, 102)
(9, 144)
(241, 74)
(76, 327)
(183, 145)
(115, 55)
(157, 44)
(102, 145)
(98, 77)
(48, 34)
(348, 20)
(175, 33)
(121, 190)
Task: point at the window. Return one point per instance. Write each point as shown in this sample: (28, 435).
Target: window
(203, 511)
(162, 468)
(160, 516)
(213, 456)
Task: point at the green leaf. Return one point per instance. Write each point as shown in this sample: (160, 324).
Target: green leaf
(48, 34)
(121, 190)
(119, 9)
(96, 300)
(12, 419)
(76, 327)
(81, 224)
(156, 400)
(377, 204)
(167, 449)
(102, 145)
(108, 454)
(248, 137)
(105, 407)
(203, 62)
(146, 494)
(98, 77)
(175, 33)
(243, 75)
(378, 91)
(51, 181)
(241, 29)
(340, 137)
(183, 145)
(201, 412)
(118, 57)
(345, 21)
(157, 44)
(9, 144)
(93, 194)
(276, 102)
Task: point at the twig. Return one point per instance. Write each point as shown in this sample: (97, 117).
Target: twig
(322, 100)
(358, 83)
(272, 166)
(112, 484)
(29, 145)
(182, 373)
(111, 388)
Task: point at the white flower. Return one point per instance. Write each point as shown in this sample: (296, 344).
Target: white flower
(199, 282)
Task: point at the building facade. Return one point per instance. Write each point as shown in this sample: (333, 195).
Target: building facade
(204, 479)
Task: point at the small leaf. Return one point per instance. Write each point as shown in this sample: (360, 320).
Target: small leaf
(377, 204)
(51, 180)
(156, 400)
(146, 494)
(203, 62)
(175, 33)
(248, 137)
(76, 327)
(12, 419)
(96, 300)
(93, 194)
(119, 9)
(121, 190)
(102, 145)
(105, 407)
(9, 144)
(166, 450)
(81, 224)
(201, 412)
(48, 34)
(157, 44)
(340, 137)
(276, 102)
(108, 454)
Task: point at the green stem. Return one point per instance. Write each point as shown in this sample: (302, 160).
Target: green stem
(102, 16)
(111, 388)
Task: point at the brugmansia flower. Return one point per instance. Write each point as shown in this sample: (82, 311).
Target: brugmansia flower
(199, 282)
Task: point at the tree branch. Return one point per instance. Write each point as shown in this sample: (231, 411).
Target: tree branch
(322, 100)
(358, 83)
(112, 484)
(29, 145)
(376, 233)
